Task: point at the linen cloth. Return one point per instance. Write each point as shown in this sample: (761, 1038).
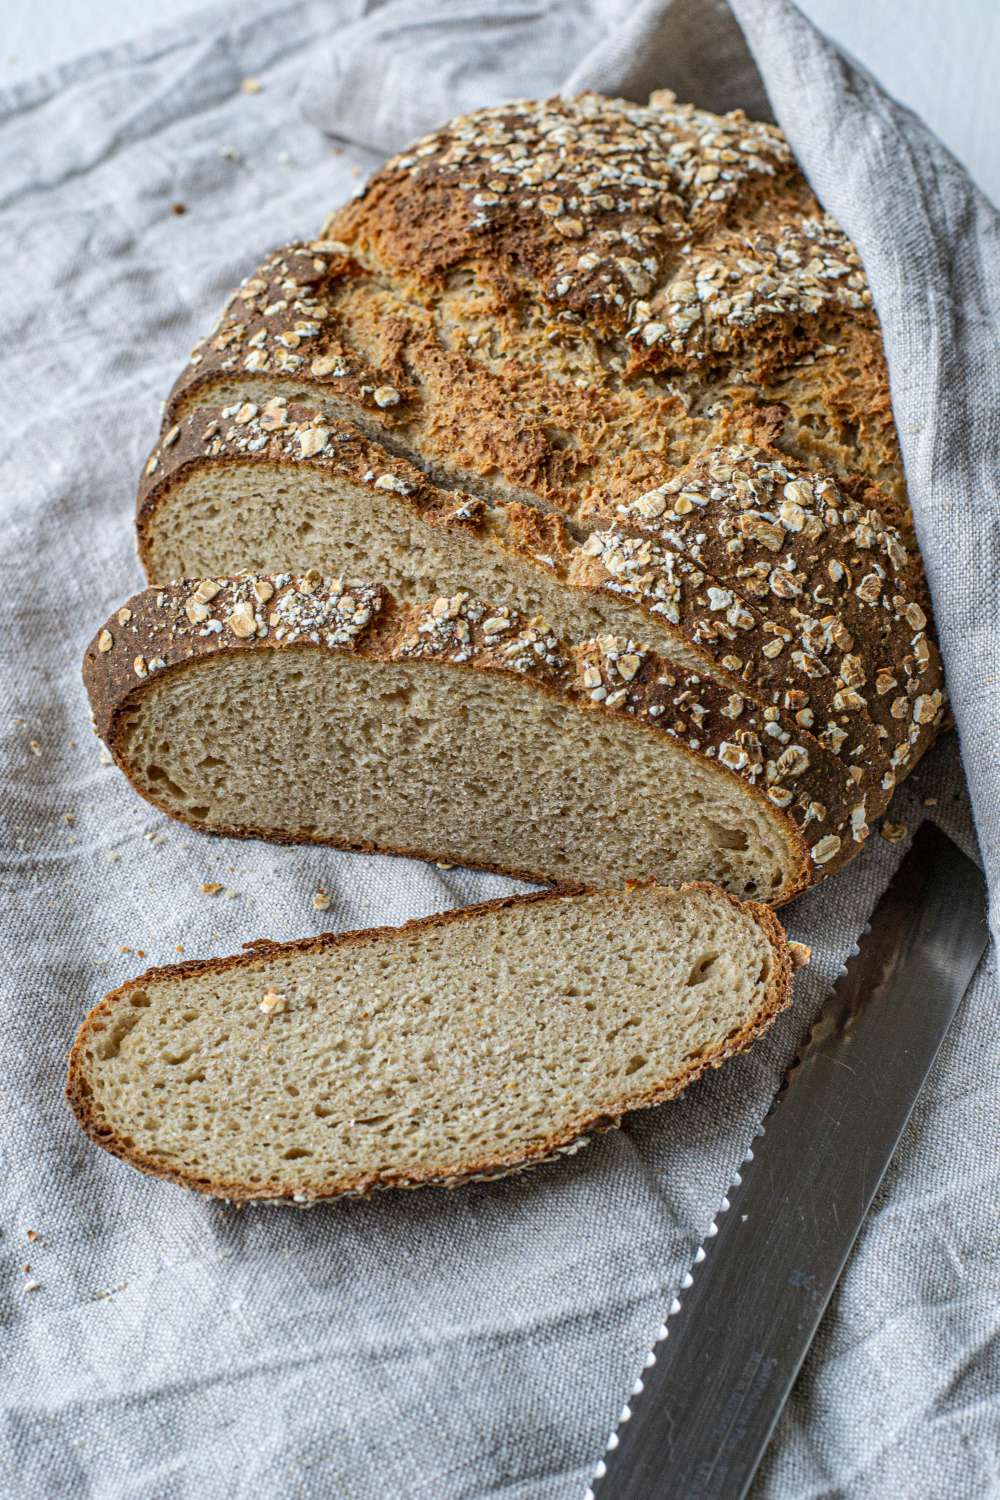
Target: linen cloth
(431, 1346)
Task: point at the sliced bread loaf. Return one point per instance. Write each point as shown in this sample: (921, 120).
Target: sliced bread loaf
(309, 709)
(465, 1045)
(770, 579)
(585, 312)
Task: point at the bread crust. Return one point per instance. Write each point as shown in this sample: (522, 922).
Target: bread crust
(777, 997)
(694, 271)
(823, 815)
(839, 585)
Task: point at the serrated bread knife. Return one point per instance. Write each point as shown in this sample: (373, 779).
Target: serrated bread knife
(701, 1413)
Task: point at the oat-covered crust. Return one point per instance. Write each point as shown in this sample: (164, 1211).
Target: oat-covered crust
(838, 587)
(672, 588)
(587, 204)
(280, 434)
(165, 628)
(823, 806)
(544, 299)
(777, 997)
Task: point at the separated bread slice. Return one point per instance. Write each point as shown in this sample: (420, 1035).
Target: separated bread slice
(465, 1045)
(263, 489)
(309, 709)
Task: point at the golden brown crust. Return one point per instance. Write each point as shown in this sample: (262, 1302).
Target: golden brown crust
(821, 806)
(583, 203)
(519, 412)
(778, 997)
(556, 295)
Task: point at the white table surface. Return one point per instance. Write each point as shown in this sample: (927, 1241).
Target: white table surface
(940, 57)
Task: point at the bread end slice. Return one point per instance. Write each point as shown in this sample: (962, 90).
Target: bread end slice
(465, 1045)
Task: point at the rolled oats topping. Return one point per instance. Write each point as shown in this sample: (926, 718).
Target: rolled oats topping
(730, 284)
(331, 611)
(604, 186)
(283, 432)
(737, 639)
(824, 572)
(461, 628)
(280, 323)
(825, 849)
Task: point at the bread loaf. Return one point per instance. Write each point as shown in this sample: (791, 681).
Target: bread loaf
(588, 342)
(465, 1045)
(306, 708)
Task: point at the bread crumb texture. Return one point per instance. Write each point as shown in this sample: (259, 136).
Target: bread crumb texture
(464, 1045)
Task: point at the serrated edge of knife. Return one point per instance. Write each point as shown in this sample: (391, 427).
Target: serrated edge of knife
(736, 1181)
(676, 1306)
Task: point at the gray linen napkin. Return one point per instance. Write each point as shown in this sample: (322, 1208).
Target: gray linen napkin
(444, 1346)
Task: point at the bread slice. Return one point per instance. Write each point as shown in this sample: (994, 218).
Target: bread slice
(263, 489)
(465, 1045)
(309, 709)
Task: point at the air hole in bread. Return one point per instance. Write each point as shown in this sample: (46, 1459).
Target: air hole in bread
(161, 780)
(725, 837)
(115, 1035)
(701, 972)
(173, 1059)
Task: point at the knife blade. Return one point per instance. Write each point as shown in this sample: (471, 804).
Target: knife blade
(703, 1409)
